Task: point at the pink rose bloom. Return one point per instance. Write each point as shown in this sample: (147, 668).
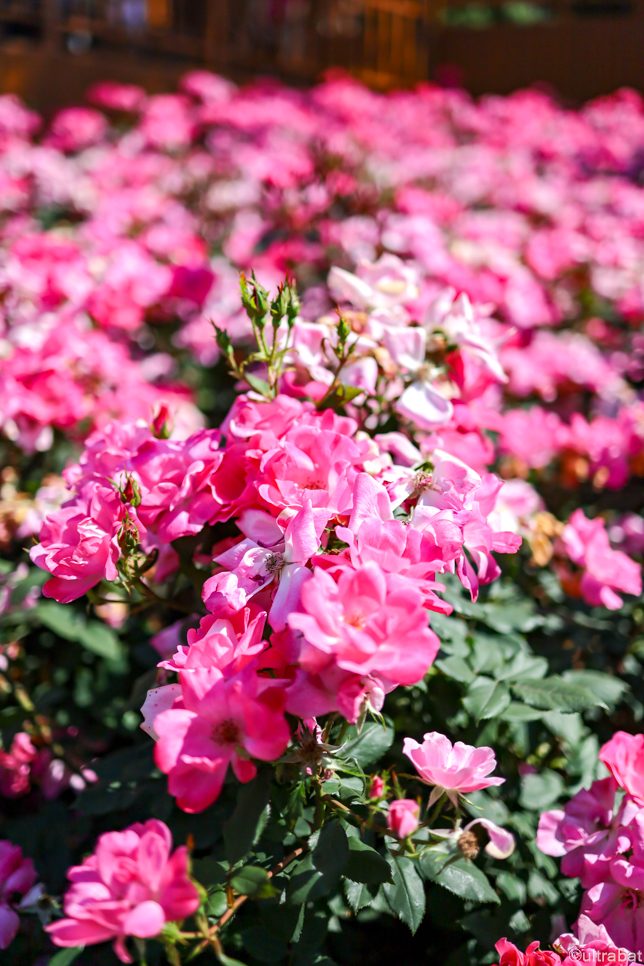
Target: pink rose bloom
(76, 128)
(606, 570)
(377, 787)
(17, 876)
(403, 817)
(15, 766)
(225, 644)
(455, 769)
(131, 886)
(595, 942)
(623, 755)
(216, 723)
(79, 543)
(117, 97)
(588, 833)
(366, 622)
(333, 689)
(509, 955)
(615, 904)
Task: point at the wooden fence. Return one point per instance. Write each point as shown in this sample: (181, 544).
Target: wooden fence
(50, 49)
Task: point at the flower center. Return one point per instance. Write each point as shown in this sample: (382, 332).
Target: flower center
(469, 845)
(226, 733)
(356, 620)
(274, 563)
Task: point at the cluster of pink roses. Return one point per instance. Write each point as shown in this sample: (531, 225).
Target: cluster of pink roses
(600, 839)
(321, 559)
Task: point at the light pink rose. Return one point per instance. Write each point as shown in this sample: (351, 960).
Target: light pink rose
(455, 769)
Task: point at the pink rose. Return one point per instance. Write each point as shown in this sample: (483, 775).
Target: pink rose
(17, 876)
(367, 622)
(623, 755)
(403, 817)
(131, 886)
(455, 769)
(216, 723)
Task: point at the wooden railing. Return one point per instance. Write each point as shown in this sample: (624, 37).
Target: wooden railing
(386, 43)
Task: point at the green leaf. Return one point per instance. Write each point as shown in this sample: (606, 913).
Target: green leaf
(259, 385)
(540, 791)
(406, 894)
(319, 871)
(486, 698)
(226, 960)
(540, 888)
(456, 668)
(606, 687)
(461, 877)
(512, 886)
(247, 821)
(72, 626)
(252, 881)
(555, 694)
(365, 864)
(100, 639)
(504, 617)
(331, 851)
(372, 742)
(517, 712)
(523, 666)
(358, 894)
(64, 957)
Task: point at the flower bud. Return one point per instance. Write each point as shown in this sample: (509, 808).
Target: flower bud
(279, 305)
(344, 329)
(377, 787)
(403, 817)
(132, 492)
(162, 423)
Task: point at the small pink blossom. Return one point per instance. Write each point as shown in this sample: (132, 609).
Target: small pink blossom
(403, 817)
(455, 769)
(588, 833)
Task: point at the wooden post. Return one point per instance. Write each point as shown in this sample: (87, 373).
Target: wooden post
(217, 48)
(51, 25)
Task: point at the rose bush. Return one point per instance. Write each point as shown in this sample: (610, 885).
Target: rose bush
(322, 441)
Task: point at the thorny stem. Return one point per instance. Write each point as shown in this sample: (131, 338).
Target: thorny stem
(209, 936)
(319, 807)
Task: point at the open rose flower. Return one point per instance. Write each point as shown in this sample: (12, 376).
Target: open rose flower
(131, 886)
(454, 769)
(216, 722)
